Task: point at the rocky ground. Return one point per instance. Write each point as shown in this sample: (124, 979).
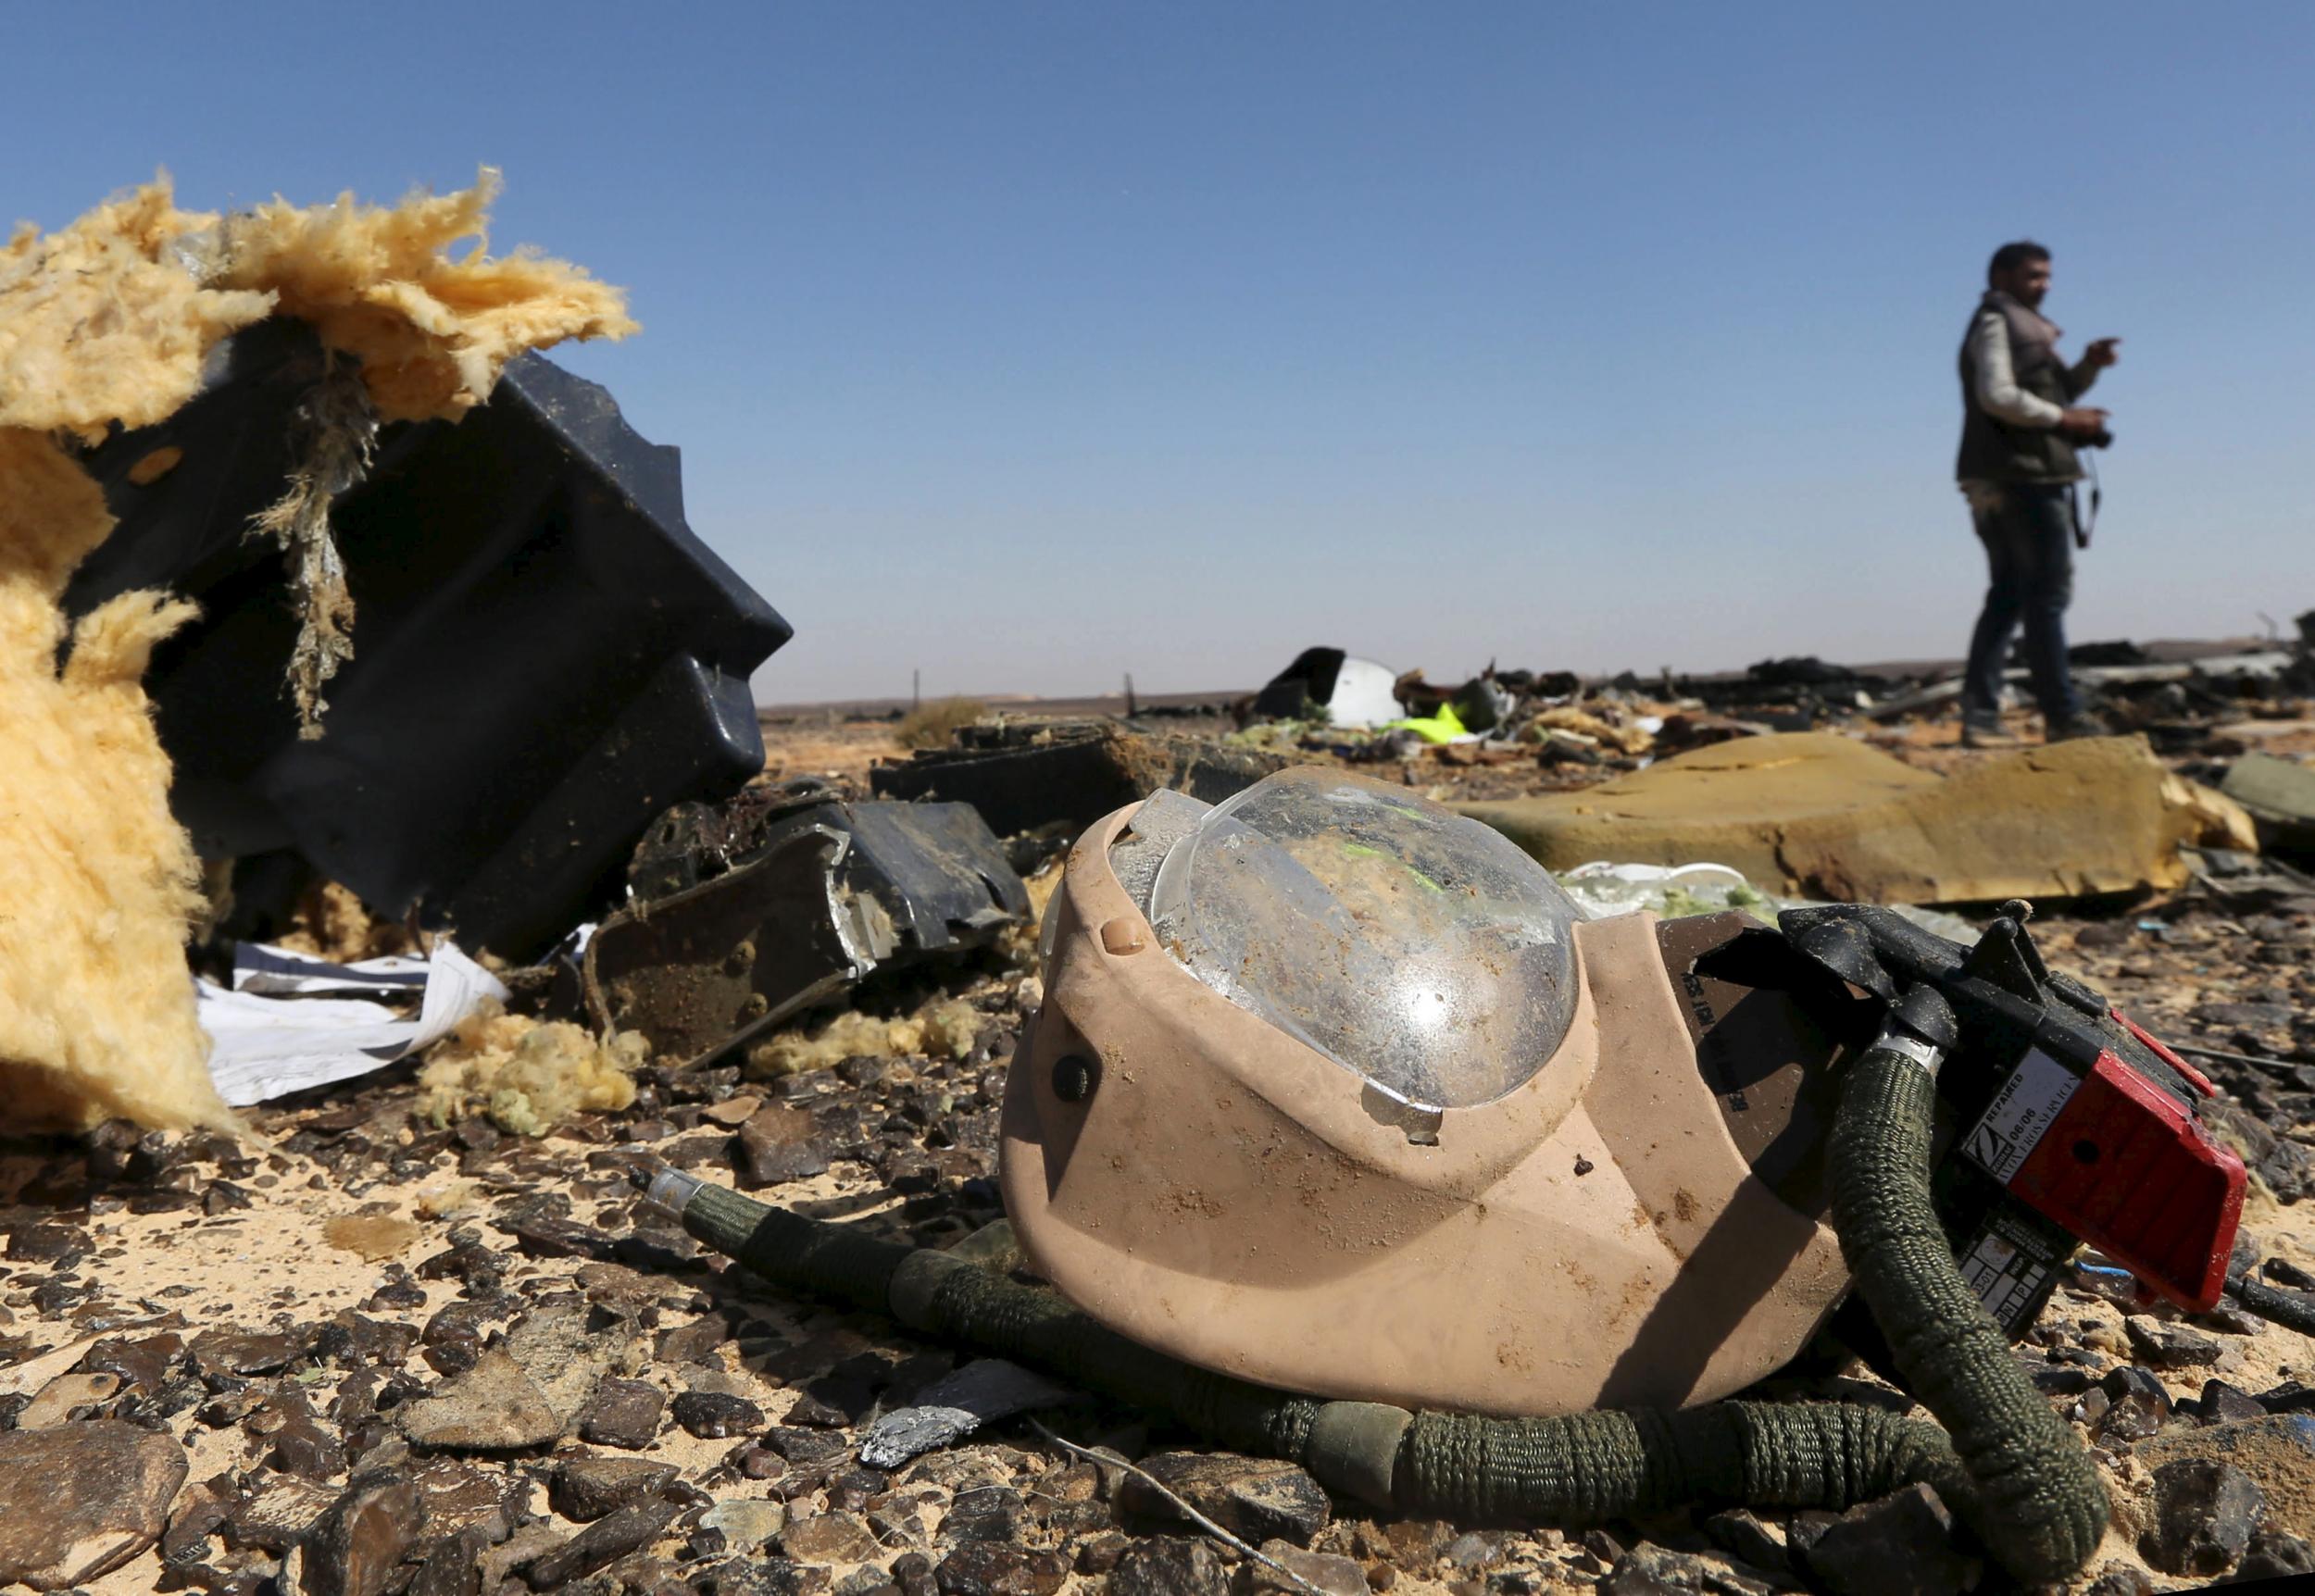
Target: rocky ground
(350, 1353)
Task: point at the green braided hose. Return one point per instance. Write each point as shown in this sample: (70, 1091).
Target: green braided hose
(1588, 1468)
(2011, 1469)
(2038, 1503)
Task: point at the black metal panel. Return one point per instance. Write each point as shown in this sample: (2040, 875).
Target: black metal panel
(546, 656)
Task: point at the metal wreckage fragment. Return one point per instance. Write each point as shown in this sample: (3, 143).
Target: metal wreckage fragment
(748, 913)
(545, 657)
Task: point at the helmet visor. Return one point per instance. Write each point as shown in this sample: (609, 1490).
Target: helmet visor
(1420, 950)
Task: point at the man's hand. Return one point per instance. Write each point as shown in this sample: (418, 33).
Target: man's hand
(2101, 354)
(2083, 421)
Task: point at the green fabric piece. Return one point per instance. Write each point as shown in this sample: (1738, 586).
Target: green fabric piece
(1444, 727)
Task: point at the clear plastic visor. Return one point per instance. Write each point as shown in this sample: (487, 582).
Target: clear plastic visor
(1420, 950)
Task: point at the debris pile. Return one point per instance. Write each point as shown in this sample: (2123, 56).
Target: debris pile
(377, 1047)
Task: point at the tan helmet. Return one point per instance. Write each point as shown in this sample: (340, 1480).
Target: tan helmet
(1335, 1091)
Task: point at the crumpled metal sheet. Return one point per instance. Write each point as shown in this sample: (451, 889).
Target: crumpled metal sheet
(953, 1406)
(807, 904)
(545, 655)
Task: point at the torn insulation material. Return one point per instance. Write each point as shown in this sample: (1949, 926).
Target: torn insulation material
(341, 430)
(527, 1076)
(103, 322)
(96, 1006)
(943, 1030)
(432, 333)
(107, 323)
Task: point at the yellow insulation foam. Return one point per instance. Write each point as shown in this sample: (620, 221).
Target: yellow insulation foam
(104, 322)
(526, 1075)
(96, 1006)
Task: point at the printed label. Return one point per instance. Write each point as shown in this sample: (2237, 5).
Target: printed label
(2007, 1278)
(2029, 1100)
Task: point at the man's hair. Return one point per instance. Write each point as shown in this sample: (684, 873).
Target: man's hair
(2010, 256)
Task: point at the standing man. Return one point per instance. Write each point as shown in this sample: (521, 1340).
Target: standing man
(2020, 429)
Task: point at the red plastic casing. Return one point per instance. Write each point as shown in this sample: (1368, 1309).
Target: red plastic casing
(2126, 1167)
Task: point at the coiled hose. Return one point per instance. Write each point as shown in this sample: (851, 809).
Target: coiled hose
(2011, 1469)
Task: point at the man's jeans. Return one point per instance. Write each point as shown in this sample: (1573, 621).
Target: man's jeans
(2028, 530)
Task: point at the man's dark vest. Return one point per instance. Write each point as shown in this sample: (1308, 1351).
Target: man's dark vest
(1993, 450)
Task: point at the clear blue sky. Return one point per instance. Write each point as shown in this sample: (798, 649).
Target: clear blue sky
(1032, 344)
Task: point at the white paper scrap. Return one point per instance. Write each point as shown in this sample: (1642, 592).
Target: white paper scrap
(266, 1042)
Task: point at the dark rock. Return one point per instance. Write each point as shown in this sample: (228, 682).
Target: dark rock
(2133, 1418)
(277, 1514)
(755, 1460)
(299, 1445)
(1648, 1570)
(78, 1501)
(987, 1513)
(1101, 1554)
(696, 1342)
(587, 1488)
(2164, 1344)
(779, 1144)
(913, 1571)
(352, 1340)
(760, 1577)
(1257, 1499)
(492, 1407)
(828, 1538)
(2121, 1579)
(2276, 1452)
(235, 1351)
(712, 1415)
(603, 1542)
(778, 1165)
(2230, 1320)
(2223, 1404)
(832, 1405)
(1331, 1574)
(2128, 1380)
(550, 1238)
(2253, 1017)
(458, 1497)
(2059, 1379)
(142, 1365)
(1168, 1565)
(1742, 1535)
(223, 1197)
(1598, 1542)
(396, 1293)
(478, 1269)
(622, 1413)
(805, 1447)
(355, 1547)
(449, 1565)
(2275, 1555)
(2290, 1397)
(2284, 1272)
(2203, 1514)
(1901, 1545)
(60, 1244)
(853, 1490)
(1472, 1551)
(200, 1510)
(993, 1568)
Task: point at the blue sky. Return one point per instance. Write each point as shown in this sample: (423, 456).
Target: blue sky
(1033, 344)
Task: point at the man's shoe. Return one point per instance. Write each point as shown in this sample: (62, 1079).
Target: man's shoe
(2074, 726)
(1987, 734)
